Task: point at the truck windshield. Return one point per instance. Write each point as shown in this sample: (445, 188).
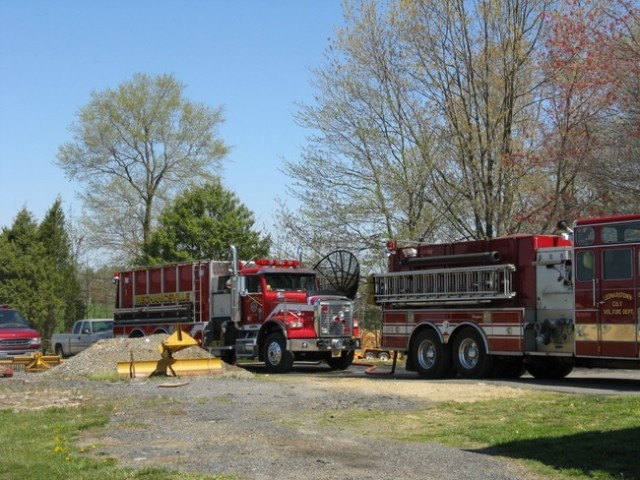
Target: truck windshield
(104, 326)
(287, 282)
(12, 319)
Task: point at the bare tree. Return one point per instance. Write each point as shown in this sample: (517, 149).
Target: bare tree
(426, 116)
(614, 168)
(476, 63)
(364, 174)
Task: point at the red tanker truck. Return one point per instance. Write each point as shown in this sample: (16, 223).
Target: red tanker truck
(544, 303)
(266, 309)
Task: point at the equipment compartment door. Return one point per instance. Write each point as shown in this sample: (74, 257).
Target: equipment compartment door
(395, 330)
(617, 301)
(587, 293)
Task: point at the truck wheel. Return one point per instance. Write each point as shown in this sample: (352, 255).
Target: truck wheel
(430, 356)
(342, 362)
(470, 357)
(384, 356)
(549, 368)
(276, 356)
(59, 351)
(507, 368)
(369, 356)
(229, 358)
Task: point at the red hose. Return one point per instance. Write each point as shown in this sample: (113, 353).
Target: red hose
(371, 368)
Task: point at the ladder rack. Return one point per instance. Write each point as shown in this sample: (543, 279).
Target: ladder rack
(447, 285)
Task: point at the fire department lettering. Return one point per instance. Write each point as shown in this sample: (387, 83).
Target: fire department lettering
(622, 295)
(617, 303)
(171, 297)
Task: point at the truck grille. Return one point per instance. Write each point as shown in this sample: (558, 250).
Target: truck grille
(15, 342)
(335, 319)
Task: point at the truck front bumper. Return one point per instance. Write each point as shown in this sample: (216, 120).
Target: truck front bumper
(323, 344)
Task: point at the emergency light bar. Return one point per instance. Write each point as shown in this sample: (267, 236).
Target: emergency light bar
(272, 262)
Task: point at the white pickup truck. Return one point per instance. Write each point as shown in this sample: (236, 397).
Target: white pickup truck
(84, 334)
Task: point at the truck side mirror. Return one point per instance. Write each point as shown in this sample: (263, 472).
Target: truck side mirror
(241, 285)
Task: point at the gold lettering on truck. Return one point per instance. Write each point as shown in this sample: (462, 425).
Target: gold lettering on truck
(170, 297)
(617, 304)
(623, 295)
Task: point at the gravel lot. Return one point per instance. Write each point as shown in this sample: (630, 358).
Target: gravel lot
(251, 426)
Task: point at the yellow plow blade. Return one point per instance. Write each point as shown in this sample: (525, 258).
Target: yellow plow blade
(32, 363)
(177, 341)
(169, 366)
(184, 367)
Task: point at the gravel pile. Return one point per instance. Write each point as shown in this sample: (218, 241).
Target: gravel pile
(103, 356)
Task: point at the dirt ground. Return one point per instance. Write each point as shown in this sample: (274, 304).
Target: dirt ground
(103, 357)
(255, 427)
(251, 426)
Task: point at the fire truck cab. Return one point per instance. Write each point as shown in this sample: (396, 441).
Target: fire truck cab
(496, 307)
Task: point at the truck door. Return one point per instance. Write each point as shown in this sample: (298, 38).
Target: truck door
(586, 302)
(606, 287)
(76, 340)
(617, 298)
(252, 301)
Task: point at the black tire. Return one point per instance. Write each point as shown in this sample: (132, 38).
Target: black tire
(549, 368)
(369, 356)
(342, 362)
(229, 338)
(430, 356)
(470, 355)
(59, 351)
(507, 367)
(384, 356)
(515, 369)
(277, 358)
(229, 357)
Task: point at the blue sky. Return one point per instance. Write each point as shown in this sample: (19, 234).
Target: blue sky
(253, 57)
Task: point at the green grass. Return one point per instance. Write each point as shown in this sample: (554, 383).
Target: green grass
(555, 435)
(41, 445)
(108, 377)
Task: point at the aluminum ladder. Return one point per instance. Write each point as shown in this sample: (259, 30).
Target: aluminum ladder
(441, 286)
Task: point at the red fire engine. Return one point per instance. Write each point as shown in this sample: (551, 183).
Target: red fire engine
(272, 310)
(495, 307)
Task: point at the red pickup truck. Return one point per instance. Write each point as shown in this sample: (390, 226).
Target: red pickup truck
(17, 337)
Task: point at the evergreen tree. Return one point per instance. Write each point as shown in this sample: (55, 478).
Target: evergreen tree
(202, 223)
(61, 269)
(22, 268)
(37, 274)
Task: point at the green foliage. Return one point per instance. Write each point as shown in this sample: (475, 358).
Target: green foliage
(37, 270)
(65, 303)
(133, 148)
(202, 223)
